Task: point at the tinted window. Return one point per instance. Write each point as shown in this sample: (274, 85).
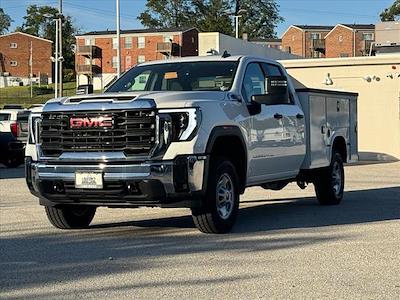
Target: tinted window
(253, 82)
(271, 70)
(23, 115)
(5, 117)
(185, 76)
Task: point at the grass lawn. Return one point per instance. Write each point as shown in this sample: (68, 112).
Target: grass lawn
(22, 94)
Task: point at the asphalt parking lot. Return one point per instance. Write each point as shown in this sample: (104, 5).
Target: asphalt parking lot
(284, 246)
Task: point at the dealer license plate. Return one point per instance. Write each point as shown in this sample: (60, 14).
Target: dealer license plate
(88, 180)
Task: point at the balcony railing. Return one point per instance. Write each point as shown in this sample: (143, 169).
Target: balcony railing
(164, 47)
(318, 44)
(168, 48)
(367, 45)
(88, 69)
(89, 51)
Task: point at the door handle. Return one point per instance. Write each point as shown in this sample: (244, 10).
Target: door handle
(278, 116)
(299, 116)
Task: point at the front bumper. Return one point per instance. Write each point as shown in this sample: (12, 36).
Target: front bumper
(177, 183)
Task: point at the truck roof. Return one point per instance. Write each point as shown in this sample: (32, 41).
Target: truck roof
(206, 58)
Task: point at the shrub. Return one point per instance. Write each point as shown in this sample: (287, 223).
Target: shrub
(69, 75)
(42, 90)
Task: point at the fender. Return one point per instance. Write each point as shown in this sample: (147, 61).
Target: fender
(229, 131)
(223, 131)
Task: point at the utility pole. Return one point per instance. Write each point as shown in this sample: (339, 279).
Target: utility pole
(60, 18)
(31, 68)
(118, 42)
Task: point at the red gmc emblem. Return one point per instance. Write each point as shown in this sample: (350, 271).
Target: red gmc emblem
(76, 123)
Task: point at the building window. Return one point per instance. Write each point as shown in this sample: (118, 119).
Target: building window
(115, 62)
(293, 38)
(13, 63)
(128, 42)
(13, 45)
(368, 36)
(315, 36)
(168, 38)
(141, 42)
(344, 55)
(340, 38)
(128, 62)
(141, 59)
(115, 43)
(89, 42)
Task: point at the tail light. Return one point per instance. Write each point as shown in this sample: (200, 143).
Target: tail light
(15, 129)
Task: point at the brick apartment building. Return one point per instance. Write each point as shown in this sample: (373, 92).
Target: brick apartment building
(349, 40)
(96, 55)
(342, 40)
(15, 56)
(305, 40)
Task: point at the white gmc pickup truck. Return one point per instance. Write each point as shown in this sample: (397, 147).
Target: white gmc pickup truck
(189, 132)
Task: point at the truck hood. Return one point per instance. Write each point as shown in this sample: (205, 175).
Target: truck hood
(170, 99)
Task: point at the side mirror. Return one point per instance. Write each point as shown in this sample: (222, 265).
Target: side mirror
(276, 91)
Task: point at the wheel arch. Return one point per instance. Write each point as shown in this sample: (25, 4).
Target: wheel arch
(339, 145)
(228, 141)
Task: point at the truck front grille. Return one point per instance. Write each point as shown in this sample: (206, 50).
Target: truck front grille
(132, 131)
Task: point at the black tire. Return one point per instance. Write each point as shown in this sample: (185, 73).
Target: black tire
(218, 214)
(329, 184)
(70, 217)
(13, 162)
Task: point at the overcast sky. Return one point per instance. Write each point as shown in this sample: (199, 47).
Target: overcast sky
(100, 14)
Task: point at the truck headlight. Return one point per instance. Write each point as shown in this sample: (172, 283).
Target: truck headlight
(179, 124)
(35, 123)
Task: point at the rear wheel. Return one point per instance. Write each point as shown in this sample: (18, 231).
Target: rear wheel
(221, 201)
(70, 217)
(329, 184)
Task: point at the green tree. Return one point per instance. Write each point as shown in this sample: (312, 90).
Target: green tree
(213, 15)
(39, 21)
(167, 13)
(5, 21)
(391, 13)
(260, 18)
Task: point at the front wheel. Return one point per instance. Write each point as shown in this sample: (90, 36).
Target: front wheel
(13, 162)
(70, 217)
(329, 184)
(221, 202)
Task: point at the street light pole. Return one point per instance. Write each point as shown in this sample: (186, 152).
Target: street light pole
(56, 63)
(31, 68)
(237, 26)
(60, 20)
(236, 15)
(118, 41)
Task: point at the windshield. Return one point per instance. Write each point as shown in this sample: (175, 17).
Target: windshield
(183, 76)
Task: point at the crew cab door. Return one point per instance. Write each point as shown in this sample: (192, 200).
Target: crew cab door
(276, 141)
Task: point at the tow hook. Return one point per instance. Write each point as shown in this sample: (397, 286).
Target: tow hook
(302, 184)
